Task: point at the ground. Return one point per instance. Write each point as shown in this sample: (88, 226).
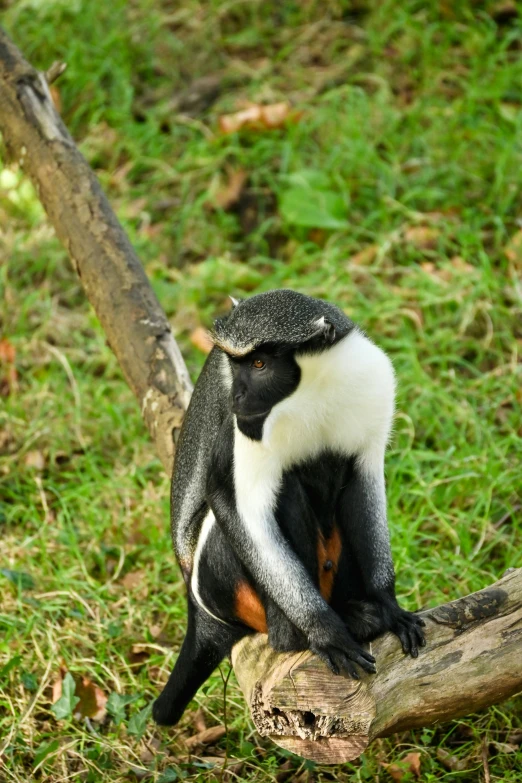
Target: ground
(391, 186)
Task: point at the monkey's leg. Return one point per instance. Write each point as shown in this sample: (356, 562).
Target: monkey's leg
(206, 643)
(283, 636)
(362, 515)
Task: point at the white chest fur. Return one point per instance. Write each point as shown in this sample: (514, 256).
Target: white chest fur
(344, 403)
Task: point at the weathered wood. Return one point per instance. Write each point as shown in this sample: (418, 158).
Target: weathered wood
(110, 271)
(474, 652)
(473, 659)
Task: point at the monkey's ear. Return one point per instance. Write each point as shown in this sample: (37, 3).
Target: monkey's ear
(327, 330)
(234, 301)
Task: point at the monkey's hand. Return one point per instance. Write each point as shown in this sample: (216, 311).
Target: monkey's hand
(409, 628)
(335, 645)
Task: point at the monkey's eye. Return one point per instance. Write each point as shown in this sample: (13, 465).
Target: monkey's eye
(258, 364)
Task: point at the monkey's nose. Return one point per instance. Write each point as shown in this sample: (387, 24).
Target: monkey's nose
(239, 396)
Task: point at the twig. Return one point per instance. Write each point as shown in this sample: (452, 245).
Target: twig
(54, 71)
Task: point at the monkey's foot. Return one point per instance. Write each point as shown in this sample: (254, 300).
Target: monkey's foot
(409, 628)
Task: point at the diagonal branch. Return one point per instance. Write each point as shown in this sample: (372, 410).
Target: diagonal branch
(110, 271)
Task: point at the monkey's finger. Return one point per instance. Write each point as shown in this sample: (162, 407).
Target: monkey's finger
(414, 651)
(369, 657)
(420, 637)
(344, 663)
(368, 664)
(326, 658)
(354, 653)
(404, 639)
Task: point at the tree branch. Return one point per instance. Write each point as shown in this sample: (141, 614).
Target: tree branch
(473, 659)
(473, 656)
(110, 271)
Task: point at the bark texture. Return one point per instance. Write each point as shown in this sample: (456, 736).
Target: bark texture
(473, 659)
(110, 271)
(474, 652)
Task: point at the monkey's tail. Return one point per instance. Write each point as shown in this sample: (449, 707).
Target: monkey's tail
(205, 645)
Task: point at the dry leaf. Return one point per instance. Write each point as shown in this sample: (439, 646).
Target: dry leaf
(57, 686)
(504, 747)
(9, 378)
(228, 194)
(92, 700)
(410, 764)
(422, 237)
(206, 737)
(515, 737)
(513, 249)
(452, 763)
(458, 263)
(133, 579)
(258, 117)
(414, 315)
(35, 459)
(201, 339)
(138, 655)
(199, 721)
(155, 631)
(365, 256)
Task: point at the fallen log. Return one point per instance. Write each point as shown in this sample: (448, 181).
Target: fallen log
(474, 652)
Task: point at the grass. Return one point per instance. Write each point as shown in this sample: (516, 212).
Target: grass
(396, 193)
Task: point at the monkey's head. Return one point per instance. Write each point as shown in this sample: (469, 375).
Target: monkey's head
(263, 338)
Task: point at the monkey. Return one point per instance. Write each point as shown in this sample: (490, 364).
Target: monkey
(278, 500)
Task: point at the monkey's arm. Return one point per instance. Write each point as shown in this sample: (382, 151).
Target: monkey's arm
(362, 517)
(276, 569)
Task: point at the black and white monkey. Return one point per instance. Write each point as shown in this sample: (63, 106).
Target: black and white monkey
(278, 495)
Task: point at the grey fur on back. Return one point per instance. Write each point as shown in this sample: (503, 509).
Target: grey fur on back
(280, 316)
(207, 410)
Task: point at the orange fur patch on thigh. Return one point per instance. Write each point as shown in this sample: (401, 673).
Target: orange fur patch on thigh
(328, 554)
(249, 609)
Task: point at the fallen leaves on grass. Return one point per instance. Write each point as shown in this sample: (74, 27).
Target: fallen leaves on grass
(422, 237)
(230, 191)
(133, 579)
(453, 763)
(410, 764)
(515, 737)
(513, 249)
(365, 256)
(8, 373)
(79, 697)
(259, 117)
(138, 656)
(206, 737)
(199, 721)
(201, 339)
(503, 747)
(35, 460)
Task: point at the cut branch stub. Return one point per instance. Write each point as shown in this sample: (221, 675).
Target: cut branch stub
(473, 658)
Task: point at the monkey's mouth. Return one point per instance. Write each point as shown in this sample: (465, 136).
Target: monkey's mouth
(250, 415)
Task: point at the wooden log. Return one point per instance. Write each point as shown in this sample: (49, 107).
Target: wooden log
(473, 658)
(474, 653)
(110, 271)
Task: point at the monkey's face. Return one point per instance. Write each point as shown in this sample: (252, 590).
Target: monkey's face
(259, 381)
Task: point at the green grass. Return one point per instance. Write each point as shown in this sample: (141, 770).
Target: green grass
(411, 125)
